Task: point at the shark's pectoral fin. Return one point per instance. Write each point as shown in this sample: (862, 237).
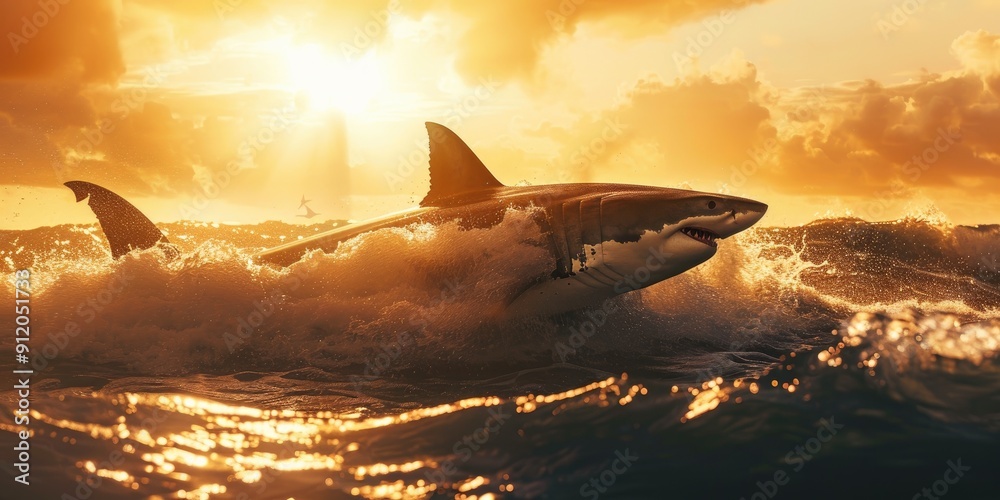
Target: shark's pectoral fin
(455, 169)
(124, 225)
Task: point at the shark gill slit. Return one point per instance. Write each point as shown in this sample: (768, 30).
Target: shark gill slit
(588, 229)
(571, 226)
(592, 210)
(557, 238)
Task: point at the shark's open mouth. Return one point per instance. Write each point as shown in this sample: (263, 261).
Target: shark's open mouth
(703, 235)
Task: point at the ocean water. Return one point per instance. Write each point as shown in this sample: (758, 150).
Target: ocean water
(841, 359)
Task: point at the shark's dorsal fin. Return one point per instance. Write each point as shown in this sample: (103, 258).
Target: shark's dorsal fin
(455, 169)
(124, 225)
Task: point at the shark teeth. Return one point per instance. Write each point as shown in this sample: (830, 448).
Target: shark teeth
(703, 235)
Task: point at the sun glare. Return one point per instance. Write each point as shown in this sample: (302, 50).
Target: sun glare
(330, 82)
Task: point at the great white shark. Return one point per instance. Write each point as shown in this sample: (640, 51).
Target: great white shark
(604, 239)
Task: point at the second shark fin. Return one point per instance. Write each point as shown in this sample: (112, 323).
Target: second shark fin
(124, 225)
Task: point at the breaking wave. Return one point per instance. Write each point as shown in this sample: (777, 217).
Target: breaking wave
(422, 300)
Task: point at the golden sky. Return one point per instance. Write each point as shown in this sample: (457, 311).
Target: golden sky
(232, 110)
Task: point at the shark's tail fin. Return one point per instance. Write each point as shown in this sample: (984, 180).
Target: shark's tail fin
(455, 169)
(124, 225)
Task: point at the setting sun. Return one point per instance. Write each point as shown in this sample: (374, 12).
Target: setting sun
(329, 82)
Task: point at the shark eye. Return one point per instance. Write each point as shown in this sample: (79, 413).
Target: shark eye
(711, 204)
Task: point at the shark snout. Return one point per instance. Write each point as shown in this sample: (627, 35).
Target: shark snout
(741, 215)
(737, 214)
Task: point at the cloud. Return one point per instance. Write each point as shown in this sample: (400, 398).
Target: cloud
(54, 52)
(485, 45)
(688, 129)
(167, 28)
(45, 104)
(937, 132)
(52, 38)
(979, 52)
(489, 47)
